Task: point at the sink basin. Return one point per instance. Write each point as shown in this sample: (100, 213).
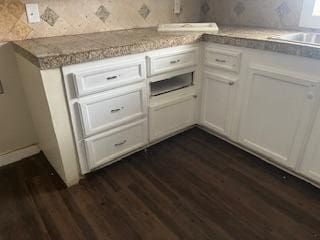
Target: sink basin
(306, 38)
(188, 27)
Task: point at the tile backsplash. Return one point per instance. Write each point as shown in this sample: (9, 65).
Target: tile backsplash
(284, 14)
(67, 17)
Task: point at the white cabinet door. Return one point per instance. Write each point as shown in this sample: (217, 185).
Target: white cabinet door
(310, 166)
(277, 113)
(218, 103)
(170, 116)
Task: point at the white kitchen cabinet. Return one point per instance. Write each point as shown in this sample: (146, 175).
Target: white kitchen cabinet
(310, 165)
(218, 97)
(171, 115)
(261, 101)
(278, 110)
(108, 108)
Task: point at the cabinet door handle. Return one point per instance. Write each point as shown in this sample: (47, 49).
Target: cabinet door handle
(116, 110)
(231, 83)
(113, 77)
(120, 143)
(175, 61)
(220, 60)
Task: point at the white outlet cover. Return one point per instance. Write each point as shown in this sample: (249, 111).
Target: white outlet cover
(32, 10)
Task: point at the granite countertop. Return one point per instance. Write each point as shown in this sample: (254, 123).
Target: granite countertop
(54, 52)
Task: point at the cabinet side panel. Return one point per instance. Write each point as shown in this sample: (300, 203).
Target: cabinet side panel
(56, 98)
(41, 116)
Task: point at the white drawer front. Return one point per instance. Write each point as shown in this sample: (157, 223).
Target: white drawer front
(167, 118)
(172, 61)
(112, 109)
(109, 77)
(223, 59)
(108, 146)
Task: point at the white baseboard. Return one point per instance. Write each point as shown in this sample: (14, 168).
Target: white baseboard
(18, 155)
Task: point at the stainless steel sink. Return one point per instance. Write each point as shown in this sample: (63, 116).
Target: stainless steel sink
(306, 38)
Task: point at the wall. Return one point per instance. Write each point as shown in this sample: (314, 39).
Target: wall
(16, 129)
(283, 14)
(67, 17)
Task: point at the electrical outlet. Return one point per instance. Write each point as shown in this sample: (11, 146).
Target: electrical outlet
(177, 6)
(1, 88)
(33, 12)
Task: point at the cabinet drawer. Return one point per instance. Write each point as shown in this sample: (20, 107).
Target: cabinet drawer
(106, 147)
(162, 63)
(169, 117)
(112, 109)
(223, 59)
(103, 78)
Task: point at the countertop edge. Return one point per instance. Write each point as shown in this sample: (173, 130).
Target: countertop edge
(288, 48)
(61, 60)
(26, 54)
(52, 62)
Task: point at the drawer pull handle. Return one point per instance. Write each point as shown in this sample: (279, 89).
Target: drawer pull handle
(120, 143)
(231, 83)
(116, 110)
(220, 60)
(113, 77)
(175, 61)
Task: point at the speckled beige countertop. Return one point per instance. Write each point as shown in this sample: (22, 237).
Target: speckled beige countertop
(54, 52)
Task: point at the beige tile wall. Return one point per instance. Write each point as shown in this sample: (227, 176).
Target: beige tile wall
(283, 14)
(65, 17)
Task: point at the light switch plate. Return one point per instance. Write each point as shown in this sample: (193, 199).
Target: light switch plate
(33, 12)
(177, 6)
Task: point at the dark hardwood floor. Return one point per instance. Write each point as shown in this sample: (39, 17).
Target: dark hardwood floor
(192, 186)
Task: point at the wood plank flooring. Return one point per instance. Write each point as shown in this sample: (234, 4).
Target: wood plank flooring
(192, 186)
